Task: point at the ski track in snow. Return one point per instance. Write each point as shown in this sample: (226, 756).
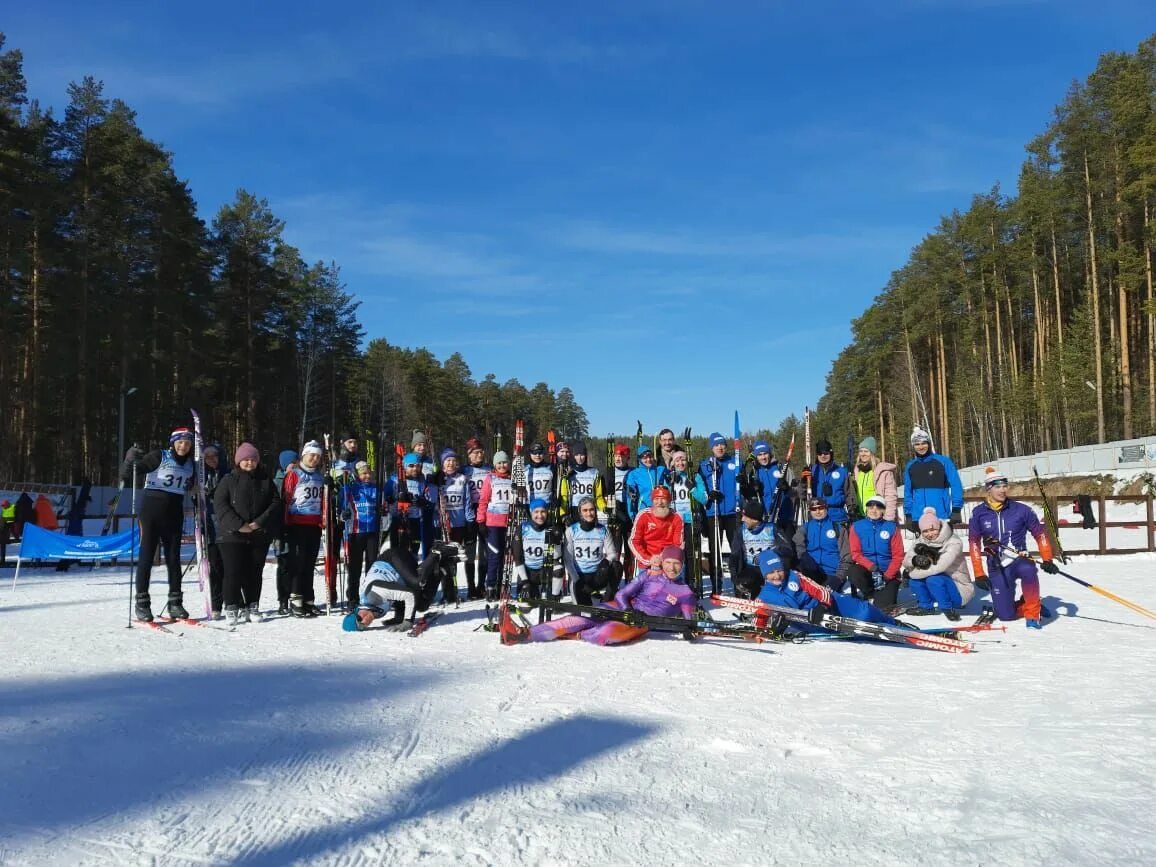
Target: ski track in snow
(294, 742)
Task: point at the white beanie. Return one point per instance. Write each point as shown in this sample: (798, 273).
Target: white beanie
(919, 435)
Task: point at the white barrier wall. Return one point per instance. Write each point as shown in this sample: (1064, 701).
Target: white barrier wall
(1122, 457)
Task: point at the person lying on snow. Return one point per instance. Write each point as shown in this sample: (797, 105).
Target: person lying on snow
(396, 589)
(790, 589)
(660, 593)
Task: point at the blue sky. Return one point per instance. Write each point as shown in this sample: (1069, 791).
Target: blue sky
(675, 208)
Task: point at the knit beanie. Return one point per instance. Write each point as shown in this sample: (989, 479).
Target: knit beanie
(753, 509)
(312, 447)
(501, 458)
(246, 452)
(418, 437)
(672, 552)
(869, 444)
(929, 520)
(919, 435)
(286, 458)
(180, 433)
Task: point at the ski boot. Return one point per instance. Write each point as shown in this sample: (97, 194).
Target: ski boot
(919, 612)
(298, 607)
(283, 607)
(232, 616)
(176, 608)
(1033, 624)
(253, 614)
(952, 615)
(143, 609)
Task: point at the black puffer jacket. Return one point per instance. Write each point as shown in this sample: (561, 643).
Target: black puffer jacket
(242, 498)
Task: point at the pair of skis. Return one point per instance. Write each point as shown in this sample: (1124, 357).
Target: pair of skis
(850, 626)
(701, 627)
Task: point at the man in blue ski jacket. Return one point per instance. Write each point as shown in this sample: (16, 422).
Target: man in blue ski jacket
(930, 479)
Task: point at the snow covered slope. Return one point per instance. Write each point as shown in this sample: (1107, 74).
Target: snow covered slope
(292, 741)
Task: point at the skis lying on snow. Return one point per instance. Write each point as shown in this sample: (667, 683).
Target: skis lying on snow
(156, 627)
(690, 628)
(851, 627)
(422, 623)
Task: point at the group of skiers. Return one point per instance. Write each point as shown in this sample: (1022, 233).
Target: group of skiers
(579, 532)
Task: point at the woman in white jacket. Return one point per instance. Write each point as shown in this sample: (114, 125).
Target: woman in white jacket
(938, 569)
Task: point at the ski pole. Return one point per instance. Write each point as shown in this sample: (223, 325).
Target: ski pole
(1139, 609)
(132, 548)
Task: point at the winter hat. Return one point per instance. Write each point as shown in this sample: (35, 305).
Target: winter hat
(579, 448)
(473, 443)
(351, 622)
(418, 437)
(246, 452)
(537, 449)
(753, 509)
(538, 503)
(351, 435)
(660, 492)
(312, 447)
(869, 444)
(919, 435)
(501, 458)
(410, 460)
(761, 447)
(210, 448)
(359, 466)
(716, 438)
(622, 450)
(770, 561)
(991, 475)
(929, 520)
(672, 552)
(180, 433)
(876, 500)
(286, 458)
(644, 450)
(447, 452)
(823, 447)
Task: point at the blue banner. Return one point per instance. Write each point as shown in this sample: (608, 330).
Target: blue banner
(43, 545)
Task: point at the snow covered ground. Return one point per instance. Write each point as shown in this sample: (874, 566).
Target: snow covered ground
(293, 741)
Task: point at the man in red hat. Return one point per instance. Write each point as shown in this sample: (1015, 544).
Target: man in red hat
(655, 528)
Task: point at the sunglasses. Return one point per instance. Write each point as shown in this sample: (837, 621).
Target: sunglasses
(819, 508)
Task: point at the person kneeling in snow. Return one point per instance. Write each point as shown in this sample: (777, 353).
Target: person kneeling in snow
(397, 589)
(660, 593)
(938, 569)
(789, 589)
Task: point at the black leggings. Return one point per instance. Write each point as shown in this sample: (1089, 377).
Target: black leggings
(160, 524)
(357, 563)
(244, 564)
(304, 542)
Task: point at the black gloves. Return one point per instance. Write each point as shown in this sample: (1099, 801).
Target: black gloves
(955, 517)
(815, 615)
(715, 496)
(404, 496)
(783, 484)
(1049, 567)
(554, 535)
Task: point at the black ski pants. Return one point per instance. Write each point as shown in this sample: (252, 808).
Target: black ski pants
(727, 525)
(216, 575)
(244, 564)
(358, 560)
(863, 586)
(161, 521)
(304, 542)
(475, 542)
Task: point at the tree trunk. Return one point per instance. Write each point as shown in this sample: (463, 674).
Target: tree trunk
(1101, 427)
(1151, 321)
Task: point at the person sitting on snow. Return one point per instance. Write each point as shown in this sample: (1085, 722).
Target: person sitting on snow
(660, 593)
(789, 589)
(397, 589)
(937, 568)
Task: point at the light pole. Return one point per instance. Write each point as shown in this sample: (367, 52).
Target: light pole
(124, 392)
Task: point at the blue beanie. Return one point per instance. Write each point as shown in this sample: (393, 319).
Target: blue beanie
(538, 503)
(410, 460)
(448, 453)
(761, 447)
(644, 449)
(716, 438)
(286, 458)
(350, 623)
(769, 561)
